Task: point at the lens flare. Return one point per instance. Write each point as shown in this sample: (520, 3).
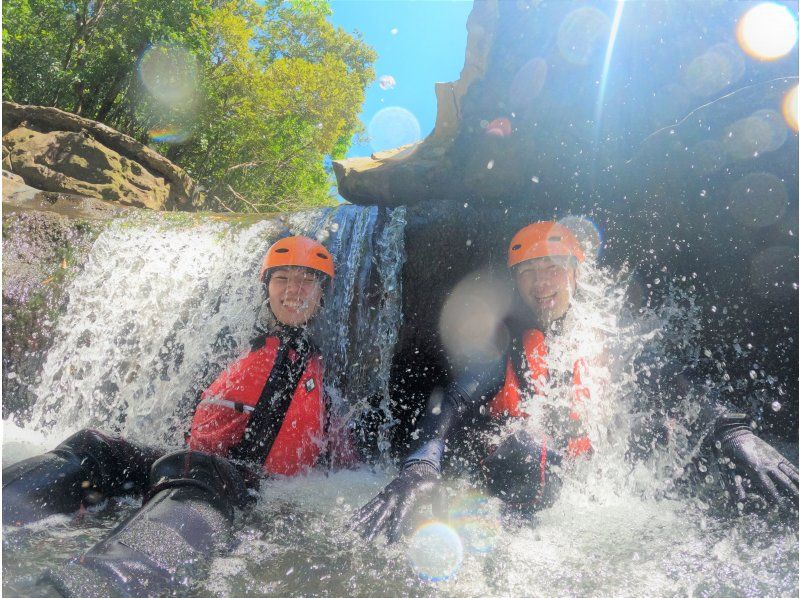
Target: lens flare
(477, 522)
(582, 34)
(789, 108)
(763, 131)
(707, 156)
(386, 82)
(772, 272)
(168, 135)
(714, 70)
(393, 127)
(758, 199)
(587, 233)
(767, 31)
(527, 84)
(169, 73)
(471, 318)
(435, 551)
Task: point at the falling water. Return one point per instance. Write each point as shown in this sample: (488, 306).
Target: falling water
(160, 309)
(156, 303)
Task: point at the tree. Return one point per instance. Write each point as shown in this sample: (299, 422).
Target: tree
(248, 97)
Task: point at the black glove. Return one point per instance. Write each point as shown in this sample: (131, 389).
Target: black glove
(521, 472)
(757, 464)
(418, 482)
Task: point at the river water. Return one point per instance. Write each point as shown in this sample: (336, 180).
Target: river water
(161, 307)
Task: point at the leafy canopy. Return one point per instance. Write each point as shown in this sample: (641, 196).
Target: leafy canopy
(248, 97)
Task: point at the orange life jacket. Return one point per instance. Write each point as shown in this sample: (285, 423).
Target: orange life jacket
(507, 400)
(221, 418)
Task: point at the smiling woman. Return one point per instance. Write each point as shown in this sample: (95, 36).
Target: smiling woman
(294, 295)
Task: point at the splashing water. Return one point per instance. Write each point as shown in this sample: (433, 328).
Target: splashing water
(160, 310)
(618, 528)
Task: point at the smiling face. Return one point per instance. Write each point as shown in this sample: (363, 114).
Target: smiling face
(294, 294)
(546, 286)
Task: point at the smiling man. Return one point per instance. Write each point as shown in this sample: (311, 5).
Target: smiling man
(524, 468)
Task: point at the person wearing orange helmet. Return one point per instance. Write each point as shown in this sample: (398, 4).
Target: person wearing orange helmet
(544, 259)
(266, 411)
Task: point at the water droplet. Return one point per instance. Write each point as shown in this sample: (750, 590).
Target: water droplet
(534, 179)
(490, 165)
(776, 406)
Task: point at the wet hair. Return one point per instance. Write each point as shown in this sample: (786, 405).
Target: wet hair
(320, 276)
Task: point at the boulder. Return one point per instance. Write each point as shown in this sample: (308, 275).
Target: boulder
(673, 141)
(547, 111)
(58, 152)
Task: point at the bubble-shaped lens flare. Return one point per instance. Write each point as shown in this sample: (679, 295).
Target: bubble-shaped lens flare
(772, 272)
(393, 127)
(169, 74)
(472, 319)
(435, 551)
(587, 233)
(707, 156)
(714, 70)
(386, 82)
(789, 108)
(763, 131)
(527, 84)
(477, 521)
(767, 31)
(582, 34)
(758, 199)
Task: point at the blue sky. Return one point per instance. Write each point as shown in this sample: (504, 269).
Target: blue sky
(419, 42)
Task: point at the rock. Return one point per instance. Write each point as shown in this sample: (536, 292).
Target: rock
(60, 152)
(17, 196)
(538, 66)
(687, 174)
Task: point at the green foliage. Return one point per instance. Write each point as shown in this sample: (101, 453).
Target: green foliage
(258, 93)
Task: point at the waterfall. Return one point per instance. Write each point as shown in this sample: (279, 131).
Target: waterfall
(161, 308)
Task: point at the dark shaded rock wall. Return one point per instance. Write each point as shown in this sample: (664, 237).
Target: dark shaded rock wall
(679, 152)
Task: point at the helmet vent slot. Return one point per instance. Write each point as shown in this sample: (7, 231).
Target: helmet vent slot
(322, 255)
(558, 238)
(516, 247)
(282, 250)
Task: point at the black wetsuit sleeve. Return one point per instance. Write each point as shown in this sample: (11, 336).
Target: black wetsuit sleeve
(473, 387)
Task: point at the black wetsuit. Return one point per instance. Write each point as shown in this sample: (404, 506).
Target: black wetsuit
(461, 418)
(188, 508)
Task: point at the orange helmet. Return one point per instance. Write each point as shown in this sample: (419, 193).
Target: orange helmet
(542, 239)
(297, 251)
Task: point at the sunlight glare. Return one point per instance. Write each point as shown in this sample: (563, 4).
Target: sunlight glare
(767, 31)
